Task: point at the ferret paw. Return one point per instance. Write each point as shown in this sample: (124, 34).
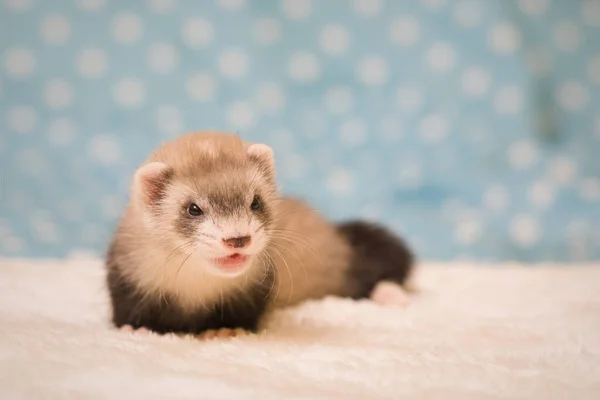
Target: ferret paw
(129, 328)
(390, 294)
(221, 333)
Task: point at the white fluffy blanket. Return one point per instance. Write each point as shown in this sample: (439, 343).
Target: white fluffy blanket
(474, 332)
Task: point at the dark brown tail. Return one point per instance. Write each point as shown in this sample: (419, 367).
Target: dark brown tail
(379, 255)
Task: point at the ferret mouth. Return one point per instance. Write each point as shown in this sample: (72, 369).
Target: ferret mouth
(231, 263)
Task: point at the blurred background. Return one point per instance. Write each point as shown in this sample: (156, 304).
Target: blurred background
(471, 127)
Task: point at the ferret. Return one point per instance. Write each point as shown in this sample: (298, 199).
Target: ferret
(207, 244)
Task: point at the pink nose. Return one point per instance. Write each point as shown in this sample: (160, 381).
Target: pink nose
(237, 242)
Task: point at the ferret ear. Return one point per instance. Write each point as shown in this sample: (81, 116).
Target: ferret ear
(262, 154)
(150, 182)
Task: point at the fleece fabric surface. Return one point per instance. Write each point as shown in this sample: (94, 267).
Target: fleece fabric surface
(470, 333)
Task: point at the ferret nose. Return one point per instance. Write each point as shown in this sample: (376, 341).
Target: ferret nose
(237, 242)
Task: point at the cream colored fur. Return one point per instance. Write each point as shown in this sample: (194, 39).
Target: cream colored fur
(473, 332)
(309, 255)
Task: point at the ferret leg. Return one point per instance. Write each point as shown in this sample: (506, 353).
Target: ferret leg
(390, 294)
(221, 333)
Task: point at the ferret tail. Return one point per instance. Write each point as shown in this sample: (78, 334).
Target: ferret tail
(378, 255)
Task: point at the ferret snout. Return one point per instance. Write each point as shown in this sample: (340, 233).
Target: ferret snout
(237, 242)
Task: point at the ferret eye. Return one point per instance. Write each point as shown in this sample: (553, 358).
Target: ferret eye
(255, 203)
(194, 210)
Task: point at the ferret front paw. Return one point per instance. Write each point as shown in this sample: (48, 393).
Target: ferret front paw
(129, 328)
(221, 333)
(390, 294)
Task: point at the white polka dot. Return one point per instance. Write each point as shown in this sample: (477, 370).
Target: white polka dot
(476, 81)
(539, 62)
(563, 170)
(567, 36)
(90, 5)
(92, 63)
(441, 57)
(197, 33)
(572, 96)
(353, 133)
(409, 175)
(104, 149)
(22, 119)
(366, 8)
(19, 62)
(468, 232)
(578, 234)
(267, 31)
(405, 31)
(241, 115)
(370, 212)
(161, 6)
(334, 40)
(169, 120)
(505, 38)
(12, 244)
(111, 206)
(594, 70)
(409, 98)
(542, 194)
(163, 57)
(467, 13)
(58, 94)
(45, 230)
(72, 210)
(509, 100)
(373, 71)
(232, 5)
(294, 166)
(129, 93)
(433, 128)
(127, 28)
(435, 4)
(496, 198)
(590, 189)
(271, 98)
(524, 230)
(590, 10)
(55, 29)
(339, 99)
(201, 86)
(18, 5)
(33, 162)
(533, 7)
(297, 9)
(283, 139)
(340, 181)
(233, 63)
(62, 131)
(522, 154)
(304, 66)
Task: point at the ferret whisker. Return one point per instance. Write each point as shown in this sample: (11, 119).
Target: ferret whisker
(271, 264)
(300, 262)
(289, 273)
(297, 241)
(290, 232)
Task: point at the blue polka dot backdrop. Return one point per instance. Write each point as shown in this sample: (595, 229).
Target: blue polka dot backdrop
(472, 128)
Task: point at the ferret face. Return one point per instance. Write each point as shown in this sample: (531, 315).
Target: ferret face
(218, 211)
(225, 220)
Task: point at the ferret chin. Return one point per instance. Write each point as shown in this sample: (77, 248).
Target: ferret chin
(207, 244)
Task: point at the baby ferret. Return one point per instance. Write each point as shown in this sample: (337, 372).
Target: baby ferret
(207, 244)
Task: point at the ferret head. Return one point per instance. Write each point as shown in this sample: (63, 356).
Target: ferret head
(210, 197)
